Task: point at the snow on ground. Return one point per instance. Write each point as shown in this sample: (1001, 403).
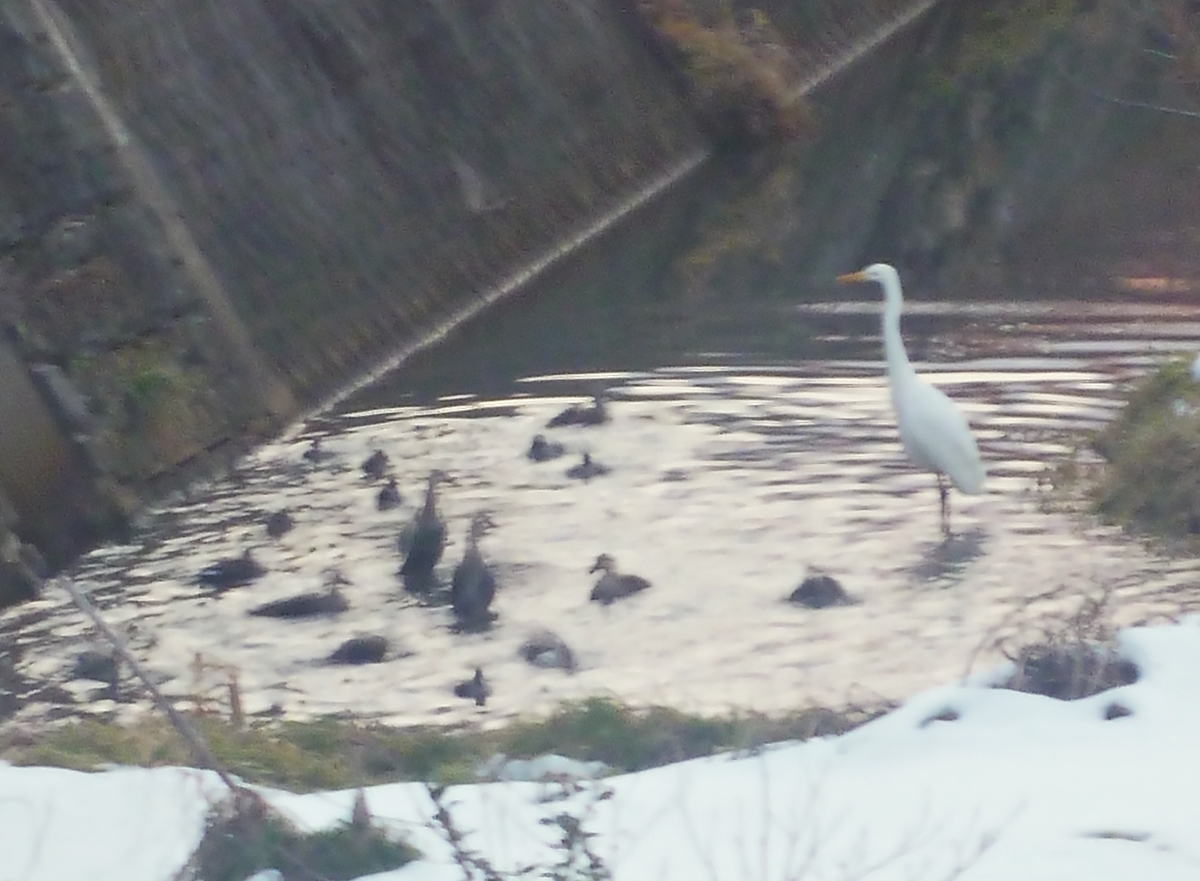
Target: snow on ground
(1017, 786)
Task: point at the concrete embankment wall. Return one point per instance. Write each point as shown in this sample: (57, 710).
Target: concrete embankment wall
(349, 170)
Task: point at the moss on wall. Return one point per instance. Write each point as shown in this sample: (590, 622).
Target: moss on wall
(996, 38)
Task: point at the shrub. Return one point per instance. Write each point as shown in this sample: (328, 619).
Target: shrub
(1152, 450)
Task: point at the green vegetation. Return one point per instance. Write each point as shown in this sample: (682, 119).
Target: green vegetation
(151, 378)
(147, 386)
(1152, 480)
(337, 753)
(998, 37)
(237, 844)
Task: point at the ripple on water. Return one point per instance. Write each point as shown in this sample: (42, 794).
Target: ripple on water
(728, 484)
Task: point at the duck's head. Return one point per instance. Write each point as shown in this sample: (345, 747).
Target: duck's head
(335, 577)
(480, 524)
(436, 477)
(604, 563)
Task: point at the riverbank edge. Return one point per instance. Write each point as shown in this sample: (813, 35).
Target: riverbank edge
(338, 752)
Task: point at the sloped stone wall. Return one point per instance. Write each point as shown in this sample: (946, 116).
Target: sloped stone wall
(354, 170)
(214, 213)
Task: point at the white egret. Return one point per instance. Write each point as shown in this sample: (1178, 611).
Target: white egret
(934, 431)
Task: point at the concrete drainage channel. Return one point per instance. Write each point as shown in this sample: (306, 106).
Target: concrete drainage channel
(55, 501)
(36, 464)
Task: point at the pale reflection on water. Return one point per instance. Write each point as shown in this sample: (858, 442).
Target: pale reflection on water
(730, 480)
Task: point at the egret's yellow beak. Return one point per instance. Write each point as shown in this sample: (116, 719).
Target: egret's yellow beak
(852, 276)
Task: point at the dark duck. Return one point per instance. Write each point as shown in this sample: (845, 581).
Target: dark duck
(542, 450)
(586, 469)
(360, 650)
(376, 465)
(423, 540)
(330, 601)
(315, 452)
(548, 650)
(582, 414)
(820, 591)
(231, 572)
(474, 584)
(475, 688)
(279, 522)
(612, 585)
(388, 496)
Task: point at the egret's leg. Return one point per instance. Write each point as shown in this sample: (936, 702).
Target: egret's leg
(944, 492)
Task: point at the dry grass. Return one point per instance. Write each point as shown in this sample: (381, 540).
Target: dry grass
(1072, 657)
(739, 73)
(1066, 656)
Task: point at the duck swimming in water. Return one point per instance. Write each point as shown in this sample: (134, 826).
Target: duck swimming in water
(474, 584)
(279, 522)
(360, 650)
(542, 450)
(376, 465)
(315, 452)
(594, 414)
(231, 572)
(547, 650)
(612, 585)
(586, 469)
(388, 496)
(475, 688)
(820, 591)
(305, 605)
(423, 540)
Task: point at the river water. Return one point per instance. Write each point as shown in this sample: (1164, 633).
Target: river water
(751, 442)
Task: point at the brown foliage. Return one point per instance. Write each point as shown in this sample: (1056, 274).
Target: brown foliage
(738, 72)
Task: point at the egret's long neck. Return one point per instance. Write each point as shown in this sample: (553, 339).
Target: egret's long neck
(893, 344)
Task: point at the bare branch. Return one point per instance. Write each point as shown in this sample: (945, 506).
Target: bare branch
(194, 740)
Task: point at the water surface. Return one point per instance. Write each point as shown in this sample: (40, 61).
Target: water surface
(749, 444)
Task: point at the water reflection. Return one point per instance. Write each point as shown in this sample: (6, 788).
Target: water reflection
(945, 563)
(750, 442)
(730, 480)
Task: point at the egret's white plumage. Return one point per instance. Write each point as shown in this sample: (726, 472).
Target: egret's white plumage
(934, 431)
